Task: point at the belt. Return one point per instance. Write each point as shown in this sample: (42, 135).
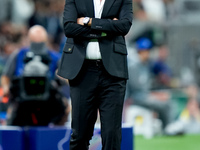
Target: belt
(94, 62)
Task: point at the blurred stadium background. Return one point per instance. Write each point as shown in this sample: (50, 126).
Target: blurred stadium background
(172, 23)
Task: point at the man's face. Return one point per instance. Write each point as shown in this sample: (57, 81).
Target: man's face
(144, 55)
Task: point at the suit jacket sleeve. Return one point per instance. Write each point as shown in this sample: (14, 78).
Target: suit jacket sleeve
(71, 28)
(116, 27)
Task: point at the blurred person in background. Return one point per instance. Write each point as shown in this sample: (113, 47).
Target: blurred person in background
(151, 10)
(155, 10)
(21, 10)
(12, 37)
(193, 105)
(54, 108)
(191, 115)
(161, 71)
(139, 84)
(188, 121)
(48, 13)
(148, 17)
(138, 10)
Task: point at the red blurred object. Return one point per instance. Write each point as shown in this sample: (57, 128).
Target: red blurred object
(3, 99)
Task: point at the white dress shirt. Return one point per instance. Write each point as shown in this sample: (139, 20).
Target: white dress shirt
(93, 50)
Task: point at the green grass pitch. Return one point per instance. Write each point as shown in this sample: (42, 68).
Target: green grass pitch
(184, 142)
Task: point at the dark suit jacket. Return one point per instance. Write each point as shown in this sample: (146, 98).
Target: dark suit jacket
(110, 34)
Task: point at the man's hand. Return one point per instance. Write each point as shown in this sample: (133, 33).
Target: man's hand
(80, 21)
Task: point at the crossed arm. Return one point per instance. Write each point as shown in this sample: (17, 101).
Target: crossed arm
(80, 21)
(73, 25)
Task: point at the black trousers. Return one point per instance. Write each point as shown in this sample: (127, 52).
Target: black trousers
(91, 91)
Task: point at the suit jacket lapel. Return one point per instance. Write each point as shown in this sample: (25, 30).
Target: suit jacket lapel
(89, 8)
(107, 5)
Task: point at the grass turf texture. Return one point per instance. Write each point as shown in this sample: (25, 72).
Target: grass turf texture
(185, 142)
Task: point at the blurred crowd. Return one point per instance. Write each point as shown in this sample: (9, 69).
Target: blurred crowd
(154, 85)
(17, 16)
(151, 20)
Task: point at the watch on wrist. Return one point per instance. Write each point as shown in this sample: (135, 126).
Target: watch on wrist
(86, 20)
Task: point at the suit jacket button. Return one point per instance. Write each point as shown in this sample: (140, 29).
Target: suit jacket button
(69, 49)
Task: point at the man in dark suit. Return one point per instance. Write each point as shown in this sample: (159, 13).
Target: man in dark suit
(94, 60)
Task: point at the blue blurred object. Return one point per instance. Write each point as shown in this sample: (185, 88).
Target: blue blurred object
(53, 138)
(159, 67)
(46, 138)
(11, 138)
(2, 115)
(143, 44)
